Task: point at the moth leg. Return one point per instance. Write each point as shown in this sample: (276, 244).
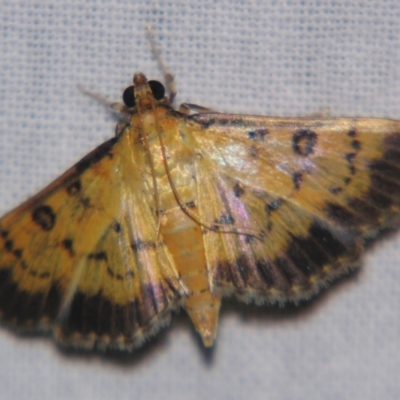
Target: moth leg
(189, 108)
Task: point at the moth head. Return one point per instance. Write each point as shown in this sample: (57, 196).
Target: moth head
(140, 84)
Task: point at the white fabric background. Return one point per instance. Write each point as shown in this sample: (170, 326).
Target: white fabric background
(265, 57)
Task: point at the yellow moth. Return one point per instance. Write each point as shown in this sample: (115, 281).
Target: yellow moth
(182, 208)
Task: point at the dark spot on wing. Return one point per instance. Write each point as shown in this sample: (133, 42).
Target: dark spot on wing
(350, 157)
(289, 271)
(53, 301)
(356, 145)
(392, 156)
(74, 188)
(104, 150)
(342, 215)
(44, 217)
(223, 273)
(99, 315)
(117, 227)
(325, 239)
(5, 278)
(225, 219)
(386, 184)
(384, 188)
(18, 253)
(297, 179)
(235, 122)
(32, 311)
(122, 324)
(249, 239)
(385, 173)
(85, 202)
(258, 134)
(312, 249)
(75, 315)
(393, 140)
(363, 206)
(253, 151)
(90, 319)
(105, 317)
(273, 205)
(238, 190)
(9, 291)
(351, 133)
(24, 307)
(9, 244)
(68, 245)
(237, 272)
(385, 169)
(241, 265)
(223, 121)
(336, 190)
(303, 142)
(190, 205)
(100, 256)
(265, 270)
(306, 256)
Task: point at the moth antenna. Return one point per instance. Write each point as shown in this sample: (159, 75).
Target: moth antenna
(118, 107)
(169, 79)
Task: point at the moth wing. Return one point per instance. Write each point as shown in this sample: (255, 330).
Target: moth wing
(302, 195)
(81, 257)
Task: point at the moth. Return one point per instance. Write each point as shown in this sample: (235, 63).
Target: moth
(184, 207)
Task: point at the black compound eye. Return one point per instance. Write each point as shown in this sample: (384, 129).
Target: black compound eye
(157, 89)
(129, 96)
